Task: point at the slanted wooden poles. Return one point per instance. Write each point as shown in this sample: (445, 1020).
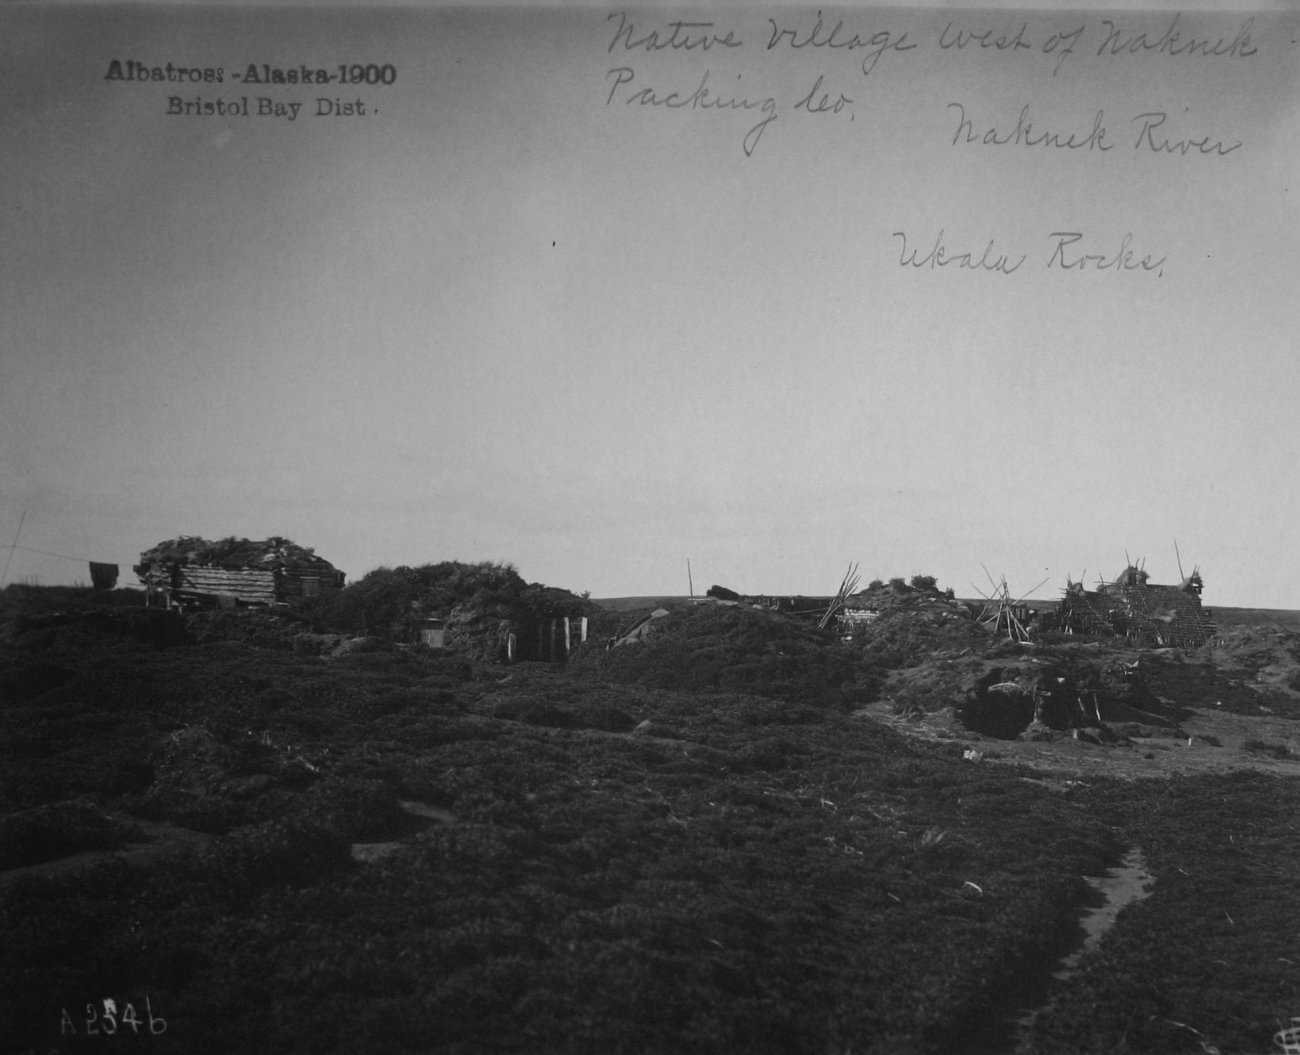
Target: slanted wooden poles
(999, 613)
(847, 586)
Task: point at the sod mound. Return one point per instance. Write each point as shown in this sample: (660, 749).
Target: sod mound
(1258, 670)
(896, 625)
(708, 648)
(478, 605)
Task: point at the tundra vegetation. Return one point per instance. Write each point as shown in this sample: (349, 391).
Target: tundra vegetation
(295, 832)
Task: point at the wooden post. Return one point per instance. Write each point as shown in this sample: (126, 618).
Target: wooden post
(510, 648)
(584, 630)
(13, 547)
(568, 638)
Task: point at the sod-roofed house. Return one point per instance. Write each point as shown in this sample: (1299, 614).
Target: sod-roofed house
(485, 610)
(234, 571)
(1134, 608)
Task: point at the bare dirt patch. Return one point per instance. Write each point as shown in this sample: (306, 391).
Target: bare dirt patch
(1204, 741)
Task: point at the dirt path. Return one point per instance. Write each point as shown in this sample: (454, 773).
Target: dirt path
(160, 838)
(1209, 741)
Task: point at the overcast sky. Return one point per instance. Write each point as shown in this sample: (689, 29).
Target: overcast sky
(516, 312)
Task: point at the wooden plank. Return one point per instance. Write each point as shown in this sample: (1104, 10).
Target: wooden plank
(256, 587)
(243, 591)
(265, 578)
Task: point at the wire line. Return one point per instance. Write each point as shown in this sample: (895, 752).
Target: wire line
(61, 556)
(13, 547)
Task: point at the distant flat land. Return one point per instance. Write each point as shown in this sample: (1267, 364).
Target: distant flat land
(1250, 616)
(1287, 617)
(628, 604)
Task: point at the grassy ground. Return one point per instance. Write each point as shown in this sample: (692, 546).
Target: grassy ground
(1211, 958)
(393, 851)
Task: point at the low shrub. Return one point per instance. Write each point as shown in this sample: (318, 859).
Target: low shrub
(287, 853)
(48, 833)
(1265, 747)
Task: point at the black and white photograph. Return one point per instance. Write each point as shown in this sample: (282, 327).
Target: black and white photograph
(596, 530)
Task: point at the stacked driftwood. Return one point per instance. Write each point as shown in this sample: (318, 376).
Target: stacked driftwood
(248, 585)
(1143, 612)
(235, 571)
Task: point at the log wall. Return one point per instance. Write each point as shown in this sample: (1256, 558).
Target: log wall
(246, 585)
(251, 587)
